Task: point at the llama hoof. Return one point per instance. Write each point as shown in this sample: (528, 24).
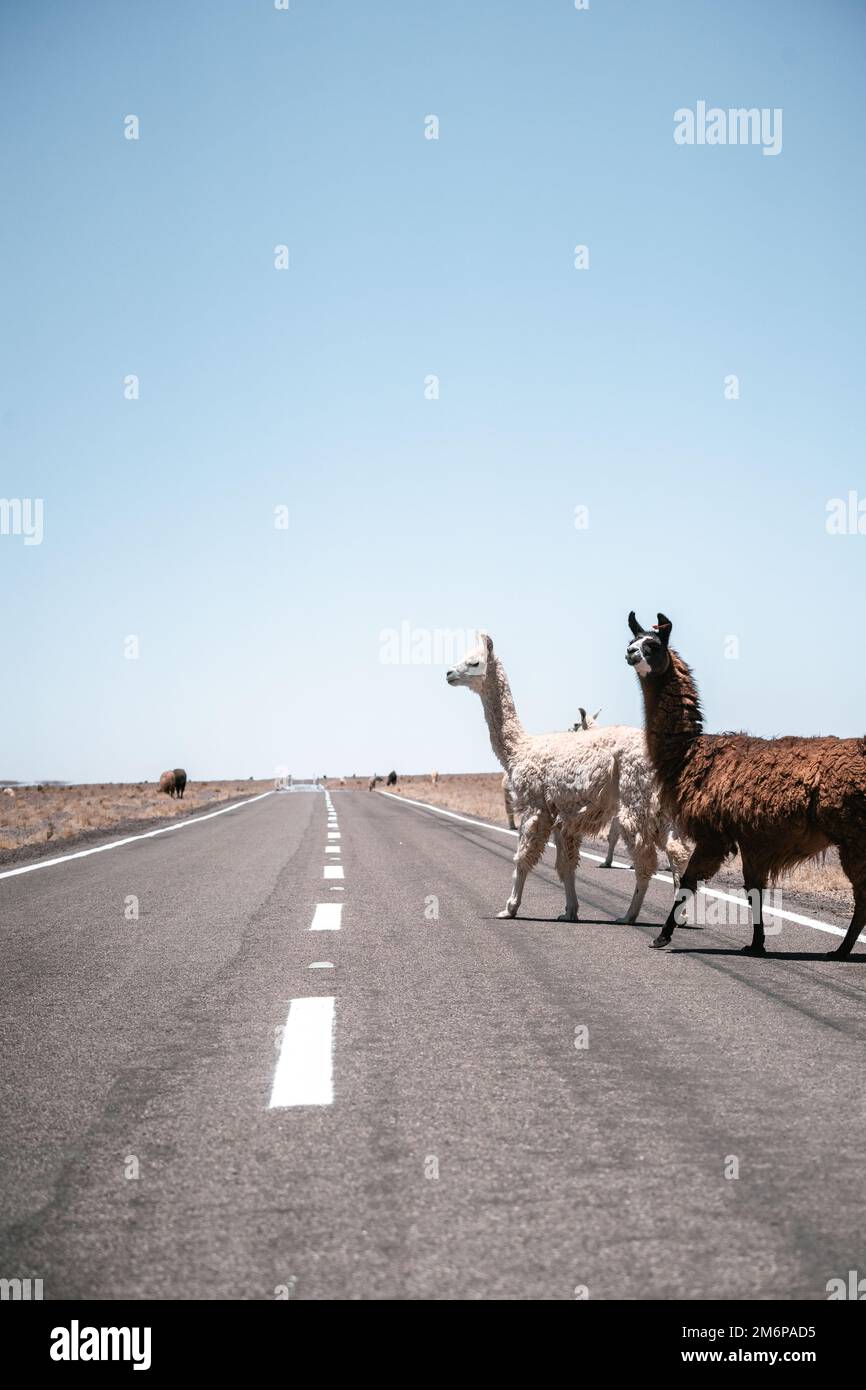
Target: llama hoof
(567, 917)
(838, 954)
(753, 951)
(507, 911)
(625, 921)
(660, 942)
(605, 866)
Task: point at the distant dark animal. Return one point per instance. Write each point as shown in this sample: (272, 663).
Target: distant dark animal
(392, 780)
(173, 783)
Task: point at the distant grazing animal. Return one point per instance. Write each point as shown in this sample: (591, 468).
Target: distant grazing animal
(434, 778)
(173, 783)
(8, 791)
(392, 780)
(372, 783)
(571, 786)
(777, 800)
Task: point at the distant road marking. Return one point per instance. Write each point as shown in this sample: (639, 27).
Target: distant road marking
(305, 1067)
(333, 834)
(145, 835)
(334, 871)
(332, 849)
(327, 917)
(321, 965)
(786, 916)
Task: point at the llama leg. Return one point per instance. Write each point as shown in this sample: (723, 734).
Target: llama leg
(756, 896)
(567, 857)
(677, 856)
(755, 874)
(858, 922)
(612, 837)
(643, 857)
(855, 868)
(645, 865)
(706, 860)
(534, 830)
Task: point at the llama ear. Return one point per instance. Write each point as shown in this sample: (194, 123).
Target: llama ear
(582, 713)
(663, 628)
(597, 713)
(636, 629)
(486, 641)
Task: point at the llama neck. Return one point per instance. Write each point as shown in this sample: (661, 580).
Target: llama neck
(502, 722)
(673, 718)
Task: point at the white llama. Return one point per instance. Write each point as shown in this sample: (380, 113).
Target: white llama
(590, 721)
(509, 801)
(570, 786)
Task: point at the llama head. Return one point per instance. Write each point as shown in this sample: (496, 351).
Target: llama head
(648, 653)
(587, 721)
(472, 670)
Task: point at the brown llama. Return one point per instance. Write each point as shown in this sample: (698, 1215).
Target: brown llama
(776, 800)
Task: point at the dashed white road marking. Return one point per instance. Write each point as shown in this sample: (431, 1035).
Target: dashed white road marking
(334, 871)
(333, 834)
(321, 965)
(327, 917)
(146, 835)
(785, 916)
(332, 849)
(305, 1067)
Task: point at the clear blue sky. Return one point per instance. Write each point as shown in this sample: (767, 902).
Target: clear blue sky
(559, 388)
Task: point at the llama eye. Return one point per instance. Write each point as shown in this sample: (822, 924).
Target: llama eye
(472, 663)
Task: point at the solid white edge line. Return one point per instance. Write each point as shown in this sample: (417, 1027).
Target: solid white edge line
(130, 839)
(786, 916)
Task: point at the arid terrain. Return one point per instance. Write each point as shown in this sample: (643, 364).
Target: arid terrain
(37, 820)
(34, 817)
(480, 794)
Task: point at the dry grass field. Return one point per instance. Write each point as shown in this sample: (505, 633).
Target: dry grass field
(59, 815)
(480, 794)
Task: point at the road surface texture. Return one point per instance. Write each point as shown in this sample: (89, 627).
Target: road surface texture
(504, 1109)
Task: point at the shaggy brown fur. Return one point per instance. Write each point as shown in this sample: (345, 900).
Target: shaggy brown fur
(173, 783)
(779, 801)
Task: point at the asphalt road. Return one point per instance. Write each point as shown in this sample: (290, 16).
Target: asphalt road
(471, 1149)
